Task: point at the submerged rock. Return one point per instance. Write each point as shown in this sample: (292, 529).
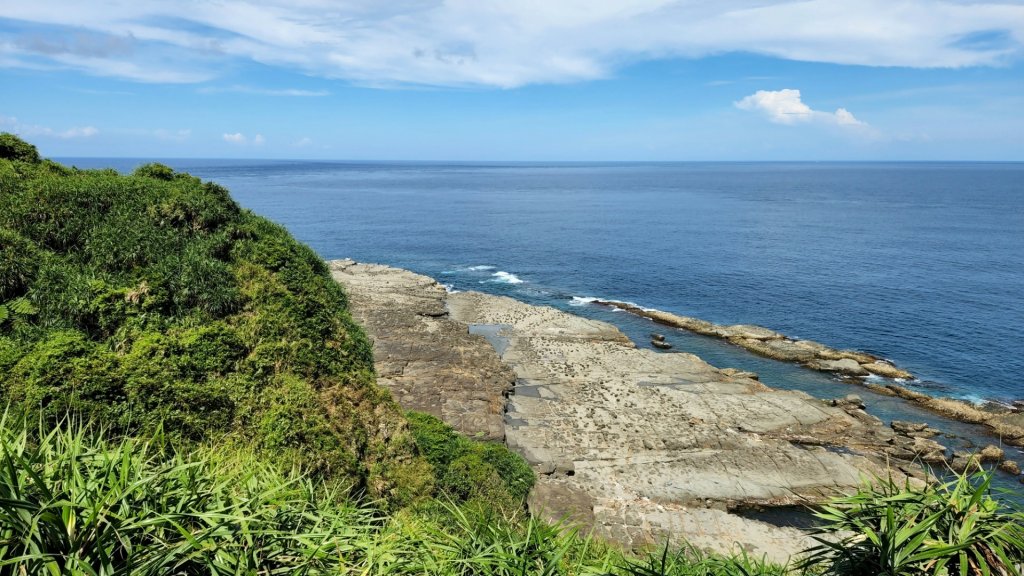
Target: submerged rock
(991, 453)
(1010, 467)
(886, 370)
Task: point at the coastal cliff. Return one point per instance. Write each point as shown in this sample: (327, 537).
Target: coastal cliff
(636, 445)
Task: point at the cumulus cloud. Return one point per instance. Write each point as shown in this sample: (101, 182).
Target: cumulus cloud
(34, 130)
(505, 43)
(239, 138)
(302, 142)
(786, 107)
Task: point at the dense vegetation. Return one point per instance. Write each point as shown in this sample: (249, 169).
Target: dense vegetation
(187, 394)
(153, 301)
(74, 503)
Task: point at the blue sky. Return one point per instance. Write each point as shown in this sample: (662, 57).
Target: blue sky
(516, 79)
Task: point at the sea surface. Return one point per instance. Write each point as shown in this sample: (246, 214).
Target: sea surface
(922, 263)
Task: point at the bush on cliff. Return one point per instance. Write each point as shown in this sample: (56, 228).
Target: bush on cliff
(153, 300)
(468, 470)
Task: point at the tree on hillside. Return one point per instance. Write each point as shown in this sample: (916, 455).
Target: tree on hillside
(14, 148)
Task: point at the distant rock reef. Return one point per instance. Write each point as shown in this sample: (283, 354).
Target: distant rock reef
(1007, 423)
(771, 344)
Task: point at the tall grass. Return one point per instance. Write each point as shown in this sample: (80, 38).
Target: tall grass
(75, 503)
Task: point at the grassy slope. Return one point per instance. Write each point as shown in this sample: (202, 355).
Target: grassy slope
(154, 300)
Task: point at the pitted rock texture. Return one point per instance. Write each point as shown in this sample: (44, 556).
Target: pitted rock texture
(429, 362)
(665, 445)
(636, 445)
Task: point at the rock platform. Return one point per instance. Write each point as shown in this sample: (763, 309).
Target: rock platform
(637, 445)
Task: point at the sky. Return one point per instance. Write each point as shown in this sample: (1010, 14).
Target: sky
(547, 80)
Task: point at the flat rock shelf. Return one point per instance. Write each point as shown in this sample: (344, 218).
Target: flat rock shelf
(636, 445)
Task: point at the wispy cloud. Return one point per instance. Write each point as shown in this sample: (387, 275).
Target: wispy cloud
(265, 91)
(173, 135)
(34, 130)
(500, 44)
(242, 139)
(787, 107)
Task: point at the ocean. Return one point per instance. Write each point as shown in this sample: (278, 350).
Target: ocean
(921, 263)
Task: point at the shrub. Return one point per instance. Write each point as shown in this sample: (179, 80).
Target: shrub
(19, 261)
(950, 528)
(154, 170)
(471, 470)
(14, 148)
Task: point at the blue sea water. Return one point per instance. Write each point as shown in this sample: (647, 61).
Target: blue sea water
(922, 263)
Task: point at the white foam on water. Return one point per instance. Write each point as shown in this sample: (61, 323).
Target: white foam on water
(503, 277)
(461, 269)
(633, 304)
(450, 289)
(582, 300)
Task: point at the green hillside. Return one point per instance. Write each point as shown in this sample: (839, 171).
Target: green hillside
(154, 300)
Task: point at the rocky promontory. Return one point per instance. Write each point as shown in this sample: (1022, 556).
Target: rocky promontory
(635, 444)
(772, 344)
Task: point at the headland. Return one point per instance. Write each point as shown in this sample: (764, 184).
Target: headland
(633, 444)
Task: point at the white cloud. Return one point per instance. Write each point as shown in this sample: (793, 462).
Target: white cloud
(34, 130)
(239, 138)
(303, 142)
(504, 43)
(786, 107)
(172, 135)
(78, 132)
(265, 91)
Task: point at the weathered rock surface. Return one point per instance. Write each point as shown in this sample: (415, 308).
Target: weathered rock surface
(635, 444)
(429, 362)
(772, 344)
(643, 445)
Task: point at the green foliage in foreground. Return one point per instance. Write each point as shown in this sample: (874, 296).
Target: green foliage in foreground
(74, 503)
(468, 470)
(951, 528)
(153, 300)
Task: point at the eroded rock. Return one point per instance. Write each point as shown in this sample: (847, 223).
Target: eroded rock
(665, 445)
(637, 445)
(429, 362)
